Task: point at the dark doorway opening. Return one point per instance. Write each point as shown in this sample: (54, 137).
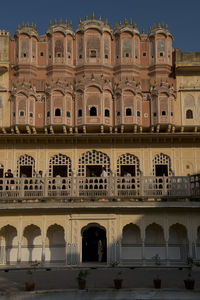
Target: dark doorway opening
(93, 171)
(59, 171)
(127, 170)
(94, 245)
(161, 170)
(26, 171)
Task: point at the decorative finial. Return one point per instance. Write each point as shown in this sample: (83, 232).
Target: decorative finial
(163, 25)
(125, 22)
(28, 25)
(154, 26)
(166, 27)
(131, 21)
(80, 20)
(60, 21)
(55, 22)
(106, 21)
(99, 18)
(66, 22)
(50, 23)
(135, 25)
(158, 25)
(86, 18)
(35, 27)
(142, 30)
(120, 22)
(70, 24)
(150, 28)
(23, 25)
(18, 27)
(93, 16)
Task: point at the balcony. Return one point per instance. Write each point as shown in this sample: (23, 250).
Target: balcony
(111, 188)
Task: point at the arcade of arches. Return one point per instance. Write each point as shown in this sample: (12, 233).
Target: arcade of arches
(76, 239)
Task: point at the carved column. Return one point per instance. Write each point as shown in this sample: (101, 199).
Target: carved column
(143, 245)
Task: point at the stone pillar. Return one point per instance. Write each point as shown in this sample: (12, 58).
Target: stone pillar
(195, 250)
(43, 251)
(143, 253)
(1, 250)
(66, 253)
(190, 248)
(19, 252)
(166, 236)
(166, 252)
(143, 245)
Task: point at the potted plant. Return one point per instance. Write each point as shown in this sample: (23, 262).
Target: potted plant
(157, 280)
(30, 284)
(82, 275)
(118, 280)
(189, 281)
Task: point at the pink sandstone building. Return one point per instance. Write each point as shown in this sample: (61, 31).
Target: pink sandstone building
(100, 128)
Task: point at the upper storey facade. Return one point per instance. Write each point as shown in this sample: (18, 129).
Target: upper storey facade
(94, 79)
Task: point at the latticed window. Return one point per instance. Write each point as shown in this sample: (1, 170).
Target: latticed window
(162, 165)
(26, 166)
(60, 164)
(128, 163)
(93, 158)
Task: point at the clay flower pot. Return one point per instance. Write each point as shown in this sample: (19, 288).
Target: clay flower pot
(189, 283)
(157, 283)
(118, 283)
(81, 284)
(29, 286)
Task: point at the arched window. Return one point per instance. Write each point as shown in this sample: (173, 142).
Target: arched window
(93, 162)
(107, 113)
(163, 113)
(22, 113)
(26, 166)
(93, 111)
(128, 163)
(80, 113)
(138, 113)
(57, 112)
(189, 114)
(162, 165)
(60, 164)
(128, 112)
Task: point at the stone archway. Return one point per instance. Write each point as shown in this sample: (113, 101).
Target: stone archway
(94, 243)
(8, 245)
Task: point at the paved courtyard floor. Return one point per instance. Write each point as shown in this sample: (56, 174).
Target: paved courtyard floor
(61, 283)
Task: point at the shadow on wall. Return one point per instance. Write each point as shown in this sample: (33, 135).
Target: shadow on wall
(132, 246)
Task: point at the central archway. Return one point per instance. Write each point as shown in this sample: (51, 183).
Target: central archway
(94, 243)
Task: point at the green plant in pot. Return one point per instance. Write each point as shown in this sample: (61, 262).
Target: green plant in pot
(30, 283)
(189, 281)
(118, 279)
(157, 281)
(82, 275)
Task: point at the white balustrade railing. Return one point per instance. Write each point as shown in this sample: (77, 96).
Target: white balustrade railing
(142, 187)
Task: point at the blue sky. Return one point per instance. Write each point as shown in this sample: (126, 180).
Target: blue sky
(182, 17)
